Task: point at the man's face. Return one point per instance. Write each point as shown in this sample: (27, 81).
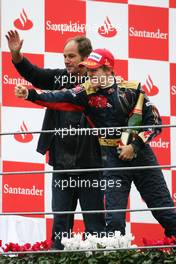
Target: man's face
(98, 77)
(72, 58)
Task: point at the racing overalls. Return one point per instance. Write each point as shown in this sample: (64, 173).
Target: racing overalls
(110, 108)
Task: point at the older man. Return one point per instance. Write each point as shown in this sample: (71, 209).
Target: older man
(70, 152)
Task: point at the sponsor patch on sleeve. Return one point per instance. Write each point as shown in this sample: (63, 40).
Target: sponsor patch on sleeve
(145, 135)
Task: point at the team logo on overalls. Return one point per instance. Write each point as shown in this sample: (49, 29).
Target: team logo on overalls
(98, 101)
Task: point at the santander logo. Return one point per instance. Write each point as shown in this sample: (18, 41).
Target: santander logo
(107, 30)
(149, 88)
(23, 138)
(23, 22)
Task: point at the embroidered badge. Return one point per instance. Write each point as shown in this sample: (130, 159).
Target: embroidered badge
(98, 101)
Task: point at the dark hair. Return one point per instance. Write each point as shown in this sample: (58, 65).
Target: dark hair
(84, 45)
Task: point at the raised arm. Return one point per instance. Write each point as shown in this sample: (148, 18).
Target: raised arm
(15, 45)
(39, 77)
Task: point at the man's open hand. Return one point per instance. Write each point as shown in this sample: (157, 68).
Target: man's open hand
(14, 41)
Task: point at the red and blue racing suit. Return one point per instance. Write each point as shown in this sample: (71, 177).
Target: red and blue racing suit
(111, 107)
